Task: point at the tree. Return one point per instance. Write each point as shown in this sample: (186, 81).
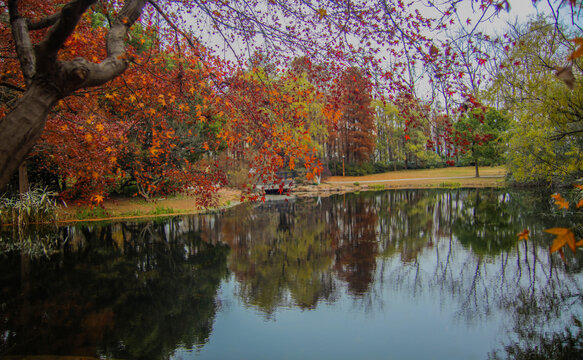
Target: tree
(41, 29)
(546, 149)
(354, 134)
(480, 131)
(49, 79)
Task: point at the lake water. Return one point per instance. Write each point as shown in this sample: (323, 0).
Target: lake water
(412, 274)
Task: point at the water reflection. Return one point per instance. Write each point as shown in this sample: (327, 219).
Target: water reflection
(159, 289)
(121, 291)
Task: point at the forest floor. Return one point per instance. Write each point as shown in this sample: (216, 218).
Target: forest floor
(128, 208)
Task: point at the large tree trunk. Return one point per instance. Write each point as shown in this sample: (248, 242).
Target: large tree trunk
(22, 127)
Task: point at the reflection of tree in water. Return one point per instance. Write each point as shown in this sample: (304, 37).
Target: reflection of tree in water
(375, 245)
(500, 275)
(566, 345)
(122, 291)
(281, 255)
(355, 243)
(485, 223)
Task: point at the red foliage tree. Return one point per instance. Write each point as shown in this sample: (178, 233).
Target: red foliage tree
(353, 137)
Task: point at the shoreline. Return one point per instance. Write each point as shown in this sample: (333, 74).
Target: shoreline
(136, 208)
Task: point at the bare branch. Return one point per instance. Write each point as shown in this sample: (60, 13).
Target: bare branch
(173, 26)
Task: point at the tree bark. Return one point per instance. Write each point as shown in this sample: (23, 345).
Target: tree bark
(23, 186)
(22, 127)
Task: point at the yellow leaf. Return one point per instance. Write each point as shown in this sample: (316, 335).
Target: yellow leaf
(99, 127)
(564, 236)
(88, 137)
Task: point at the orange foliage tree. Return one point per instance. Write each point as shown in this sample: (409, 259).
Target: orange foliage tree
(39, 70)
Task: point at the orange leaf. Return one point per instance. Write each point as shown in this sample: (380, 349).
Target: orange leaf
(578, 186)
(579, 51)
(579, 243)
(560, 201)
(564, 236)
(580, 203)
(98, 199)
(523, 235)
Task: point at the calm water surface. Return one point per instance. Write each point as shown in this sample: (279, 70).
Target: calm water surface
(380, 275)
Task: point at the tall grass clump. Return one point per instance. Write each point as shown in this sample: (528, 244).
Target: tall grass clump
(35, 206)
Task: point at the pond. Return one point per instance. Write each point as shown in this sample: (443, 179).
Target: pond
(412, 274)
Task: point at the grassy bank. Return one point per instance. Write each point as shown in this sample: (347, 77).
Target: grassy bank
(129, 208)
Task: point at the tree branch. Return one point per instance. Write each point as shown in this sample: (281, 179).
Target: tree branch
(174, 27)
(44, 22)
(22, 42)
(90, 74)
(67, 21)
(11, 86)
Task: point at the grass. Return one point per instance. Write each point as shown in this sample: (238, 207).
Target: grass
(450, 185)
(162, 210)
(91, 213)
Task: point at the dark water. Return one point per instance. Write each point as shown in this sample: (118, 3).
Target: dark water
(383, 275)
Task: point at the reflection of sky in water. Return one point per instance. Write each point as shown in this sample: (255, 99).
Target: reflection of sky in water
(397, 326)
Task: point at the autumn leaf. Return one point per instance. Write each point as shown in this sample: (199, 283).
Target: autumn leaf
(98, 199)
(579, 51)
(560, 201)
(322, 13)
(564, 236)
(580, 187)
(523, 235)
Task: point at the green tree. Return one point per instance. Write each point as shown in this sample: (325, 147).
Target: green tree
(480, 132)
(544, 137)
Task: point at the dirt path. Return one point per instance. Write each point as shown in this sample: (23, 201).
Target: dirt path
(407, 179)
